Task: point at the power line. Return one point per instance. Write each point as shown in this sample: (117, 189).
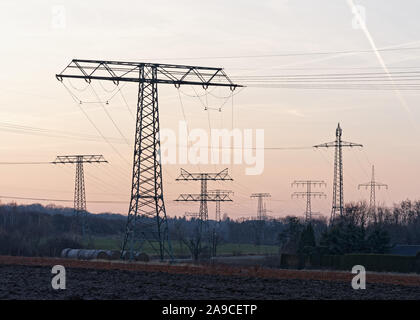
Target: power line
(23, 163)
(96, 127)
(36, 131)
(291, 54)
(59, 200)
(110, 117)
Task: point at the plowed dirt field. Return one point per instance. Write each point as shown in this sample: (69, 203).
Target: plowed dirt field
(30, 278)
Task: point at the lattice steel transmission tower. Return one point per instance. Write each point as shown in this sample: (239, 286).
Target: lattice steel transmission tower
(261, 209)
(205, 196)
(309, 194)
(372, 184)
(338, 192)
(219, 194)
(147, 213)
(80, 211)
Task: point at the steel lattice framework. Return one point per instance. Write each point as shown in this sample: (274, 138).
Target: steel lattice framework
(309, 194)
(261, 210)
(80, 211)
(204, 196)
(219, 193)
(338, 192)
(147, 213)
(372, 184)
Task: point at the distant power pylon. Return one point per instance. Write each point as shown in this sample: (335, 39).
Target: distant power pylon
(338, 192)
(309, 194)
(219, 193)
(261, 209)
(147, 213)
(80, 211)
(205, 196)
(372, 184)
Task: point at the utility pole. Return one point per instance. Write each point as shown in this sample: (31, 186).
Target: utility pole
(372, 184)
(309, 194)
(147, 213)
(80, 211)
(338, 192)
(261, 210)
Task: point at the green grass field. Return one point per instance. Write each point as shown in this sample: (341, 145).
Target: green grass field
(114, 243)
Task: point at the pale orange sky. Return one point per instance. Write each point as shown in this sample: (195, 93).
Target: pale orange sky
(188, 32)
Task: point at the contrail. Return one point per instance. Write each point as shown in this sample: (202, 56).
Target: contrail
(378, 55)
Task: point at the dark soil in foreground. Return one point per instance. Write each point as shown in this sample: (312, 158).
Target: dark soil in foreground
(34, 282)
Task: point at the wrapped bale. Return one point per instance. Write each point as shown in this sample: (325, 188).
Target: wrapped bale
(64, 252)
(86, 254)
(100, 254)
(73, 254)
(113, 254)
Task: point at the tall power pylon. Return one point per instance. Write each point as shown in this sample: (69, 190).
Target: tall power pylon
(261, 210)
(147, 213)
(79, 186)
(309, 194)
(338, 192)
(372, 184)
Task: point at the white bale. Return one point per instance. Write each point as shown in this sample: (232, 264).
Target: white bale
(73, 254)
(64, 252)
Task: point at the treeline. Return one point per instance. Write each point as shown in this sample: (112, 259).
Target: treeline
(360, 230)
(31, 231)
(37, 230)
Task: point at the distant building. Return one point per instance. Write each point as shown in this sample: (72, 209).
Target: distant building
(405, 250)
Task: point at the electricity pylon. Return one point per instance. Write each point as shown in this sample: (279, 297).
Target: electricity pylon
(218, 193)
(309, 194)
(80, 211)
(261, 210)
(372, 184)
(215, 239)
(338, 192)
(205, 195)
(147, 213)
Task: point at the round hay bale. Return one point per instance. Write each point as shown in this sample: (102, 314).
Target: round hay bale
(141, 257)
(113, 254)
(100, 254)
(73, 254)
(85, 254)
(64, 252)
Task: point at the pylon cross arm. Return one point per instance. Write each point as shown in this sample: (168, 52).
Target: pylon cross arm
(123, 71)
(220, 176)
(94, 158)
(200, 197)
